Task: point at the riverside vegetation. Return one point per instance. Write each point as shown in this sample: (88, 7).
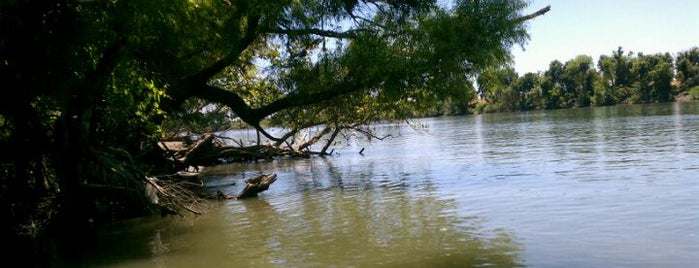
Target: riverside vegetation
(93, 88)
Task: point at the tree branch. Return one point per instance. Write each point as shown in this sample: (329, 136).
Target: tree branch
(533, 15)
(315, 31)
(237, 105)
(109, 59)
(315, 138)
(248, 38)
(303, 99)
(230, 99)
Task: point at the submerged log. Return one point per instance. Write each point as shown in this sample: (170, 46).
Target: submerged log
(252, 187)
(256, 185)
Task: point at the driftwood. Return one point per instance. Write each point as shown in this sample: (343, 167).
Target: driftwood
(185, 190)
(200, 152)
(174, 193)
(252, 187)
(207, 151)
(172, 196)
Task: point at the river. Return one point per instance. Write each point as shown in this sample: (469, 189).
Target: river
(591, 187)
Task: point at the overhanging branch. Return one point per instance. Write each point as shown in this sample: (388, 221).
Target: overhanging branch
(197, 84)
(315, 31)
(303, 99)
(232, 56)
(533, 15)
(228, 98)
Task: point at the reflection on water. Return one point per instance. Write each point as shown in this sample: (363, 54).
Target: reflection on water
(383, 227)
(593, 187)
(361, 229)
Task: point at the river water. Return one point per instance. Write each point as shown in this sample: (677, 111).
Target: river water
(591, 187)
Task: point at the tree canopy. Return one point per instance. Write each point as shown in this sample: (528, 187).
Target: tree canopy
(91, 86)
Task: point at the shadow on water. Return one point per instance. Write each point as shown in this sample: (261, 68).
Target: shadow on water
(357, 229)
(139, 239)
(338, 217)
(368, 218)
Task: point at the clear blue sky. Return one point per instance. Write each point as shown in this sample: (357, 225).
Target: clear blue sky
(598, 27)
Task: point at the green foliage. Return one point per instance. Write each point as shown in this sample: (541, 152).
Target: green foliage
(579, 78)
(619, 78)
(687, 67)
(528, 90)
(130, 109)
(603, 94)
(495, 86)
(552, 86)
(694, 92)
(607, 87)
(480, 107)
(399, 65)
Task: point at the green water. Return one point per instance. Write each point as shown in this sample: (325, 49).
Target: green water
(594, 187)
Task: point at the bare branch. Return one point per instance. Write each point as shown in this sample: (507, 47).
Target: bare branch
(286, 136)
(265, 133)
(330, 140)
(533, 15)
(368, 133)
(315, 138)
(176, 195)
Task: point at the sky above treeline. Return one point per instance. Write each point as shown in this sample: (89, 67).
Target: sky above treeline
(598, 27)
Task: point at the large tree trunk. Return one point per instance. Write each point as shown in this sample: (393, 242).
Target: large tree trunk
(76, 136)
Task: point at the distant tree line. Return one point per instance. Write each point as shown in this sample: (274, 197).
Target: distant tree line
(619, 78)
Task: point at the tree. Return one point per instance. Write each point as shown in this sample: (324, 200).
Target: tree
(527, 86)
(652, 76)
(579, 79)
(605, 93)
(622, 70)
(90, 83)
(496, 83)
(552, 86)
(660, 78)
(687, 69)
(634, 78)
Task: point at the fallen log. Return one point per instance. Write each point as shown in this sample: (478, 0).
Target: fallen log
(202, 152)
(256, 185)
(252, 187)
(208, 150)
